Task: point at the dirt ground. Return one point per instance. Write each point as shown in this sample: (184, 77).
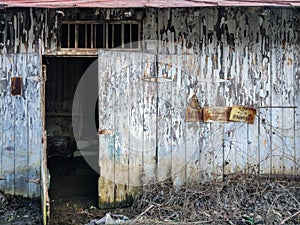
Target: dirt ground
(235, 201)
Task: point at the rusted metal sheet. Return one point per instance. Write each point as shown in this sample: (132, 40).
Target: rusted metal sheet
(16, 86)
(216, 114)
(143, 3)
(193, 112)
(242, 114)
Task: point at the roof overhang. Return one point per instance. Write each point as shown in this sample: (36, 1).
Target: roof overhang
(143, 3)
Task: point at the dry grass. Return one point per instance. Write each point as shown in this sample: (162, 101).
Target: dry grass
(235, 201)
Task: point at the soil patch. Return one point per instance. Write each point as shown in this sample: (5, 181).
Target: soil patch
(16, 210)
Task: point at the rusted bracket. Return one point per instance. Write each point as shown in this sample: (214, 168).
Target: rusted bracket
(105, 132)
(36, 181)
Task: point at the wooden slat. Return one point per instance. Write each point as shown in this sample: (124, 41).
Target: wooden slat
(8, 141)
(135, 102)
(253, 148)
(3, 87)
(265, 145)
(178, 120)
(193, 143)
(166, 73)
(122, 65)
(149, 159)
(35, 125)
(289, 83)
(106, 141)
(21, 129)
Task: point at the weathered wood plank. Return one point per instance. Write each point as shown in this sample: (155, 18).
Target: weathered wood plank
(35, 124)
(3, 88)
(122, 65)
(265, 145)
(149, 159)
(21, 129)
(289, 87)
(166, 73)
(253, 148)
(106, 185)
(178, 120)
(191, 69)
(8, 146)
(135, 101)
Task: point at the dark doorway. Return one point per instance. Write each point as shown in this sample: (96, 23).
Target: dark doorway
(72, 179)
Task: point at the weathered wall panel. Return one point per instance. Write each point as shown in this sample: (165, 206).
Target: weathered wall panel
(226, 56)
(21, 128)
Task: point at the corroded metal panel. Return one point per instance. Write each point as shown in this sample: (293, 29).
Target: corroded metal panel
(216, 114)
(193, 112)
(16, 86)
(242, 114)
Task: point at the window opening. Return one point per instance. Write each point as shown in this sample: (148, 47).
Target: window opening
(121, 35)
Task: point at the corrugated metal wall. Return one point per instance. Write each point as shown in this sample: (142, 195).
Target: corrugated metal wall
(20, 125)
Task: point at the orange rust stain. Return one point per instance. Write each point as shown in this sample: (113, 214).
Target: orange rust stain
(265, 142)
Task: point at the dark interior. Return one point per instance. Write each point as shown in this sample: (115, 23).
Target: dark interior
(71, 176)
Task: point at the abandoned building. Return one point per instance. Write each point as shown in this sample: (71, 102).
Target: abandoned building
(187, 90)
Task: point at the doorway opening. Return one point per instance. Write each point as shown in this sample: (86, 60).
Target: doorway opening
(73, 180)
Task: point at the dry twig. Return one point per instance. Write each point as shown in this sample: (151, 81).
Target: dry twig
(230, 202)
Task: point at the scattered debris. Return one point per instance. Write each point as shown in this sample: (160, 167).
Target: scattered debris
(3, 200)
(110, 219)
(18, 210)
